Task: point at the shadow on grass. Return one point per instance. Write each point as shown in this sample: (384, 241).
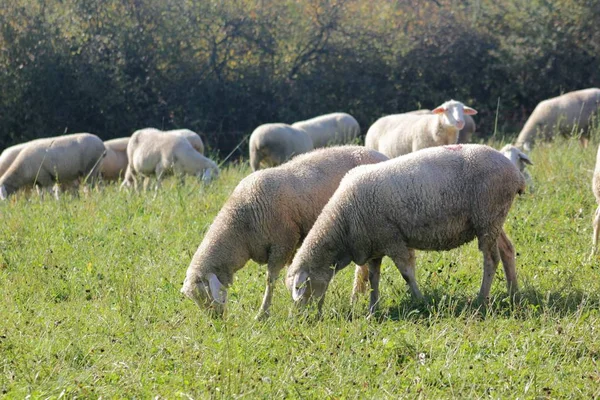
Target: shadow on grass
(527, 303)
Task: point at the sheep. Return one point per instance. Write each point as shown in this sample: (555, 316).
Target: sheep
(266, 219)
(62, 159)
(399, 134)
(274, 144)
(152, 152)
(433, 199)
(520, 159)
(115, 163)
(596, 190)
(8, 156)
(330, 129)
(570, 113)
(465, 135)
(191, 137)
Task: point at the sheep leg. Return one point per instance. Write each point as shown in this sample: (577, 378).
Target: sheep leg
(491, 258)
(596, 225)
(374, 275)
(274, 267)
(361, 274)
(507, 255)
(405, 262)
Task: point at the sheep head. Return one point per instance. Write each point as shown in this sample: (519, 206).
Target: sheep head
(207, 292)
(453, 113)
(306, 287)
(517, 157)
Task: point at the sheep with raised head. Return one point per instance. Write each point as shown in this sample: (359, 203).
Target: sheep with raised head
(465, 135)
(274, 144)
(399, 134)
(570, 113)
(433, 199)
(330, 129)
(596, 190)
(266, 218)
(60, 160)
(115, 163)
(152, 152)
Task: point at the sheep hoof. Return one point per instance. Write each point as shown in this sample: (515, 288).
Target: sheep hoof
(261, 316)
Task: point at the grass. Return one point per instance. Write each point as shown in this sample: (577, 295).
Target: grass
(90, 306)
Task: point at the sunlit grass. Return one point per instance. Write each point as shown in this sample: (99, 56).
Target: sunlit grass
(91, 306)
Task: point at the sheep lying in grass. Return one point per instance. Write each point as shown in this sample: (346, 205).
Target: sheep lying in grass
(396, 135)
(115, 163)
(266, 218)
(274, 144)
(520, 159)
(596, 190)
(330, 129)
(152, 152)
(433, 199)
(46, 162)
(570, 113)
(465, 135)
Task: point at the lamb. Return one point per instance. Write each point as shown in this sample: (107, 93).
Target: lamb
(399, 134)
(520, 159)
(62, 159)
(330, 129)
(274, 144)
(266, 219)
(152, 152)
(596, 190)
(115, 163)
(433, 199)
(465, 135)
(570, 113)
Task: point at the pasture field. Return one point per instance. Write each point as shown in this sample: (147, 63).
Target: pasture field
(90, 306)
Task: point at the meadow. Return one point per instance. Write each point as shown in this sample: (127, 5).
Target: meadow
(90, 305)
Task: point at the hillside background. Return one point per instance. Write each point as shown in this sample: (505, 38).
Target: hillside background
(223, 67)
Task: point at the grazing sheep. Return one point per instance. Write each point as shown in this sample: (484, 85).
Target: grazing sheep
(274, 144)
(433, 199)
(596, 190)
(191, 137)
(399, 134)
(266, 218)
(518, 158)
(152, 152)
(330, 129)
(8, 156)
(62, 159)
(114, 164)
(570, 113)
(465, 135)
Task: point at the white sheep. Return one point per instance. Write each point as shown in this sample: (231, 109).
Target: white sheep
(433, 199)
(330, 129)
(115, 163)
(465, 135)
(274, 144)
(399, 134)
(192, 137)
(266, 218)
(152, 152)
(8, 156)
(596, 190)
(520, 159)
(58, 160)
(572, 113)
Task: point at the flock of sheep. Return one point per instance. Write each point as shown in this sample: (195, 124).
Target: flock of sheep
(415, 185)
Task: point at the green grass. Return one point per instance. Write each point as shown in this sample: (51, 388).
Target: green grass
(90, 306)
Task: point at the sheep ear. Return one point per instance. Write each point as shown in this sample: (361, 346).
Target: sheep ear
(217, 290)
(438, 110)
(469, 110)
(3, 194)
(299, 285)
(525, 158)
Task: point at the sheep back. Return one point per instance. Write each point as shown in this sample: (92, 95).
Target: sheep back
(115, 162)
(275, 143)
(330, 129)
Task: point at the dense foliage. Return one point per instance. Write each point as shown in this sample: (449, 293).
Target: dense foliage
(224, 67)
